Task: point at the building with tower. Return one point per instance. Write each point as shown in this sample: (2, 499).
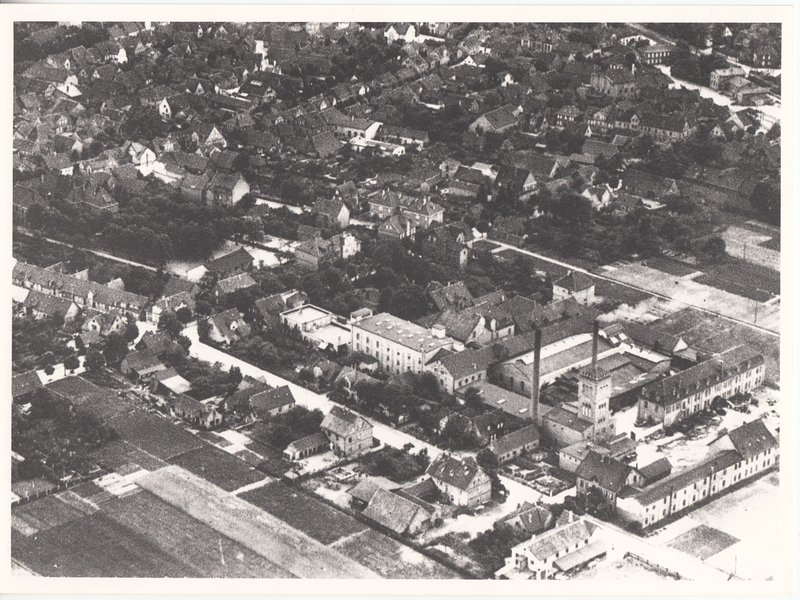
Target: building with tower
(588, 419)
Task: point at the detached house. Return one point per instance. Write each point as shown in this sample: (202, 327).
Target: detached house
(348, 433)
(227, 327)
(227, 188)
(496, 121)
(575, 285)
(332, 213)
(461, 482)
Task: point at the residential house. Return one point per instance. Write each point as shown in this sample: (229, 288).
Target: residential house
(45, 306)
(269, 308)
(141, 363)
(233, 263)
(227, 327)
(457, 371)
(617, 83)
(560, 549)
(397, 227)
(205, 416)
(272, 402)
(227, 188)
(574, 285)
(348, 433)
(514, 183)
(497, 120)
(461, 482)
(332, 213)
(402, 514)
(317, 252)
(657, 54)
(605, 474)
(235, 283)
(515, 444)
(532, 519)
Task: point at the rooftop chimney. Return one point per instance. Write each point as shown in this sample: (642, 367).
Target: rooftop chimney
(537, 359)
(595, 340)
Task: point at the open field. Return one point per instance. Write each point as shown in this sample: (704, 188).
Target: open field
(750, 245)
(703, 541)
(747, 274)
(619, 569)
(734, 287)
(46, 513)
(699, 295)
(252, 527)
(218, 467)
(154, 434)
(198, 547)
(309, 515)
(391, 558)
(753, 515)
(670, 267)
(94, 546)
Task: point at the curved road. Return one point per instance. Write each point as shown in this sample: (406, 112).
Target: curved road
(631, 286)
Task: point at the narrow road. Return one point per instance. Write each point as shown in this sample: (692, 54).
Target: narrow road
(631, 286)
(125, 261)
(517, 492)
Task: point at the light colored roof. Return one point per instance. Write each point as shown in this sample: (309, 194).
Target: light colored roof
(402, 332)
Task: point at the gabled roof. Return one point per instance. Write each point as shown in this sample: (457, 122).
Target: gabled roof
(343, 422)
(393, 511)
(268, 400)
(458, 473)
(752, 439)
(24, 383)
(240, 258)
(515, 440)
(575, 281)
(501, 117)
(608, 473)
(533, 518)
(235, 283)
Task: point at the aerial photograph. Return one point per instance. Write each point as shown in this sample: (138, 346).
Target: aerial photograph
(414, 301)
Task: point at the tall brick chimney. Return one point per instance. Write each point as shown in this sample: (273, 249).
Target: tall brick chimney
(537, 359)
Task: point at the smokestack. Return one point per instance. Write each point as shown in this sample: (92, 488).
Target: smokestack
(537, 359)
(595, 343)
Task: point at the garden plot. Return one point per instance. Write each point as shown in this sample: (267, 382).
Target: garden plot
(218, 467)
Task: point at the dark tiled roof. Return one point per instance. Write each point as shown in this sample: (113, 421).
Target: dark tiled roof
(24, 383)
(458, 473)
(606, 472)
(575, 282)
(268, 400)
(514, 440)
(752, 439)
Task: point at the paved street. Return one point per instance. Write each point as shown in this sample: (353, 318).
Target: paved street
(517, 492)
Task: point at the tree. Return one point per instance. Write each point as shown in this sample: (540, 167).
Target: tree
(714, 247)
(94, 360)
(115, 348)
(35, 215)
(131, 331)
(766, 199)
(170, 324)
(71, 363)
(184, 314)
(487, 461)
(473, 399)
